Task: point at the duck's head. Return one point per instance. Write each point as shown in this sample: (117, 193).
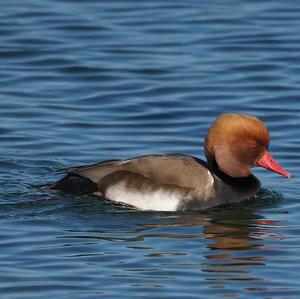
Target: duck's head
(238, 142)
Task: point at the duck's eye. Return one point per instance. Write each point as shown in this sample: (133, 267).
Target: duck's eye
(252, 143)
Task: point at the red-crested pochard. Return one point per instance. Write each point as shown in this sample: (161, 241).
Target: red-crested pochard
(168, 182)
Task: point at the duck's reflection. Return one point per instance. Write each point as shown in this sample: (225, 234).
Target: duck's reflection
(215, 249)
(234, 250)
(237, 239)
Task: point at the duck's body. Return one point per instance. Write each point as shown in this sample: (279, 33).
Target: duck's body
(160, 182)
(169, 182)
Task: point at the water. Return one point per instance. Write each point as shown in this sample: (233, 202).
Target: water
(83, 81)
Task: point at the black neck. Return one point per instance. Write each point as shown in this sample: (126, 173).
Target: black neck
(240, 183)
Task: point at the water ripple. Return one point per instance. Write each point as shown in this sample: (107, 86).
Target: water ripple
(85, 81)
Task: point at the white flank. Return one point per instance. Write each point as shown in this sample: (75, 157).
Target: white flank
(210, 180)
(159, 200)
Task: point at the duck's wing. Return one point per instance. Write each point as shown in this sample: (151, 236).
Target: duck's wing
(177, 170)
(86, 183)
(174, 169)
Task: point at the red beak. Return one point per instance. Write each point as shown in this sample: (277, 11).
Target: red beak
(268, 162)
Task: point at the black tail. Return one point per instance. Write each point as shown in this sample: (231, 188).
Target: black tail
(75, 184)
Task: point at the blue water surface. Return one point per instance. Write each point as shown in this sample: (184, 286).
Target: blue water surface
(84, 81)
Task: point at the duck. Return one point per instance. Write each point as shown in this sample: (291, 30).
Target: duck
(234, 144)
